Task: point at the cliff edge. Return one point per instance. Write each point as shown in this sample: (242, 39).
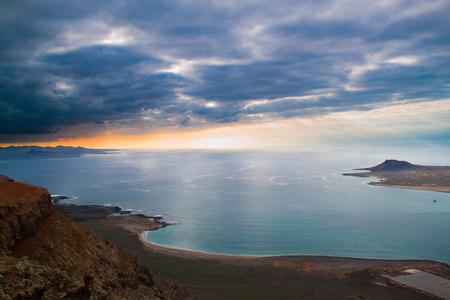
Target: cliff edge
(46, 255)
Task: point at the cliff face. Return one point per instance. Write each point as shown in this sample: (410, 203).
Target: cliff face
(44, 254)
(22, 207)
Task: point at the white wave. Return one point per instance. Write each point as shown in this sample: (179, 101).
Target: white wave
(277, 180)
(171, 222)
(190, 180)
(63, 197)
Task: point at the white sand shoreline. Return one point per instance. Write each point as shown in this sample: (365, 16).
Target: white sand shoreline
(319, 262)
(186, 253)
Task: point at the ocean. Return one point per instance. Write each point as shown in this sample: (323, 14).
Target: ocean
(257, 202)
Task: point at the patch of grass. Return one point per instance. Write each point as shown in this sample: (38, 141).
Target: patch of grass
(81, 213)
(363, 275)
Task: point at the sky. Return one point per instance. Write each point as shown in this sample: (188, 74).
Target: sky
(224, 74)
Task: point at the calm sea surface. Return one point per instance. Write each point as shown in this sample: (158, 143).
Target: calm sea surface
(256, 203)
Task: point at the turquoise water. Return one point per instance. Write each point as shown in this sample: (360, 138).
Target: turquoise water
(257, 203)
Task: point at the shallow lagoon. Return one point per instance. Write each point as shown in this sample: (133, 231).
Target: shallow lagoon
(256, 203)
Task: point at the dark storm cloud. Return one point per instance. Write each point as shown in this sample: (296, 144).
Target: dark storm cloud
(92, 84)
(93, 61)
(80, 62)
(293, 75)
(336, 29)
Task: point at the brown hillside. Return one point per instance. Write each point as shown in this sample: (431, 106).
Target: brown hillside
(44, 254)
(22, 206)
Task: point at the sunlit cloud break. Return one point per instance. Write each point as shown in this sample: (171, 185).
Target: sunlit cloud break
(85, 71)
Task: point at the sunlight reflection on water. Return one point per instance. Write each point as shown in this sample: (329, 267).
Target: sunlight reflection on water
(256, 203)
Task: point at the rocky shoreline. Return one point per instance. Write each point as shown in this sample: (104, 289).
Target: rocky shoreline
(109, 211)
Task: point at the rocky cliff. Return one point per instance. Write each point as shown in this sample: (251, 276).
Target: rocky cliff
(22, 207)
(46, 255)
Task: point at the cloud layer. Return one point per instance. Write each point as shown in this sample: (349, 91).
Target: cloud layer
(144, 66)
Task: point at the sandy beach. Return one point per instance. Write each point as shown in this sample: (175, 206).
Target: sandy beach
(191, 254)
(139, 226)
(418, 187)
(323, 263)
(303, 263)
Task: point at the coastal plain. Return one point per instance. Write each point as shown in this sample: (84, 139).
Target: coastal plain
(215, 276)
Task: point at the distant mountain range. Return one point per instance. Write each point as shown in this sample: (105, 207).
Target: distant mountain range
(36, 152)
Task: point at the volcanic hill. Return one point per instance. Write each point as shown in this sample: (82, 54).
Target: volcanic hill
(391, 165)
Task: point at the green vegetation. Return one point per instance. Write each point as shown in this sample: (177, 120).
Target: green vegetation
(363, 275)
(24, 278)
(83, 212)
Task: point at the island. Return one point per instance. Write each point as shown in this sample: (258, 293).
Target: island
(402, 174)
(37, 152)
